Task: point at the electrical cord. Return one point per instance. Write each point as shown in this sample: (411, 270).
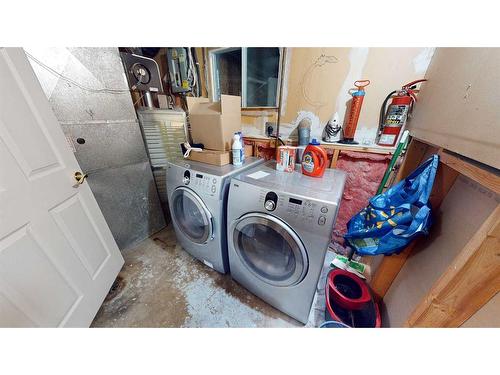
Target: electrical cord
(56, 73)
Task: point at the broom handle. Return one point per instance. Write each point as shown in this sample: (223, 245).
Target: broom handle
(401, 145)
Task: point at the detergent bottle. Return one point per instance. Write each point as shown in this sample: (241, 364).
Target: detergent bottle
(314, 160)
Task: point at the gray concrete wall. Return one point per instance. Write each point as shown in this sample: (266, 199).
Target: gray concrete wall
(88, 92)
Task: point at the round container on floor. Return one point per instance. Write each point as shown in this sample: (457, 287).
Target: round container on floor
(347, 289)
(364, 315)
(333, 324)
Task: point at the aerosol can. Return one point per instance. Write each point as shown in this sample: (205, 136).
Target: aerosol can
(393, 120)
(333, 129)
(354, 112)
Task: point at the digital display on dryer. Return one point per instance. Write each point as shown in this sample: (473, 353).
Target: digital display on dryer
(295, 201)
(199, 175)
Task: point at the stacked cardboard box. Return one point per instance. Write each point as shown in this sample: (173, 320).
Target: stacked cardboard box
(213, 124)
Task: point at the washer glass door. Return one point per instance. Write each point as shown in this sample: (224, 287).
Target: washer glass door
(191, 215)
(270, 249)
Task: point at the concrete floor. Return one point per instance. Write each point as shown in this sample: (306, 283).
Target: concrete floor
(163, 286)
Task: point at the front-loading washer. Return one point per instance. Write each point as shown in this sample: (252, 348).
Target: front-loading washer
(197, 198)
(279, 229)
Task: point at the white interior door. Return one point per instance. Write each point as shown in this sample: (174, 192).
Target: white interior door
(58, 258)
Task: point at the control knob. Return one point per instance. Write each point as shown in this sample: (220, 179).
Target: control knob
(187, 178)
(270, 205)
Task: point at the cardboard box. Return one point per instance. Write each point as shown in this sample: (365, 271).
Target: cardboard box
(214, 123)
(213, 157)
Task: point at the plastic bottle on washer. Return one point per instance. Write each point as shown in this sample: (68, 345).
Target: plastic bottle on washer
(237, 150)
(242, 147)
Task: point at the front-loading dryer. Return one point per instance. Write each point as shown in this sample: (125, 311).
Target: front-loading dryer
(279, 229)
(197, 198)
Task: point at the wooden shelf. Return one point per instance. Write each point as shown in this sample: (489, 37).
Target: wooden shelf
(472, 278)
(374, 149)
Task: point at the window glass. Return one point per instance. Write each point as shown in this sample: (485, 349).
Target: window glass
(228, 71)
(262, 77)
(251, 73)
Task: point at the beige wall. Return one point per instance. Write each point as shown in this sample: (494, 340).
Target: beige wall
(458, 109)
(318, 80)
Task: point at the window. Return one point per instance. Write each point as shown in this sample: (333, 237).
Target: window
(252, 73)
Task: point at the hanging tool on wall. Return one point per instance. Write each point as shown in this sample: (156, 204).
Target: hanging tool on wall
(391, 168)
(392, 119)
(354, 112)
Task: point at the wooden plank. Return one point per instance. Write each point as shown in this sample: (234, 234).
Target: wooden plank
(335, 158)
(387, 272)
(359, 148)
(469, 282)
(391, 265)
(487, 178)
(444, 180)
(414, 156)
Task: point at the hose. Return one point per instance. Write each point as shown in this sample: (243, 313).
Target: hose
(382, 112)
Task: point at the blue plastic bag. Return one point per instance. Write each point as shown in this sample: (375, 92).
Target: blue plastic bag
(394, 218)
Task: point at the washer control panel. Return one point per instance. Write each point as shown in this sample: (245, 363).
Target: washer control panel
(296, 208)
(201, 182)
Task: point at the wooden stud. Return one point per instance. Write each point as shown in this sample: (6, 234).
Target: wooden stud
(414, 156)
(470, 281)
(388, 270)
(488, 179)
(391, 265)
(335, 157)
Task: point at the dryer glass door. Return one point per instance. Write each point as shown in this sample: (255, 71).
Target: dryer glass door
(270, 249)
(191, 215)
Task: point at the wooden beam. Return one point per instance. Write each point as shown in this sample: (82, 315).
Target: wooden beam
(470, 281)
(414, 156)
(391, 265)
(335, 157)
(387, 271)
(485, 176)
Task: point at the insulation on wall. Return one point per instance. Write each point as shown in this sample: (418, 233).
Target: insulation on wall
(364, 173)
(87, 90)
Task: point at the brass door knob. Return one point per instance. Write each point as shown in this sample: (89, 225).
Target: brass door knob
(80, 177)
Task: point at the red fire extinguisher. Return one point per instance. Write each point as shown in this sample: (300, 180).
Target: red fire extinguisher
(393, 120)
(357, 102)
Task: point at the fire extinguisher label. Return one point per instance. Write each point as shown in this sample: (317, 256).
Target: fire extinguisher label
(396, 115)
(387, 139)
